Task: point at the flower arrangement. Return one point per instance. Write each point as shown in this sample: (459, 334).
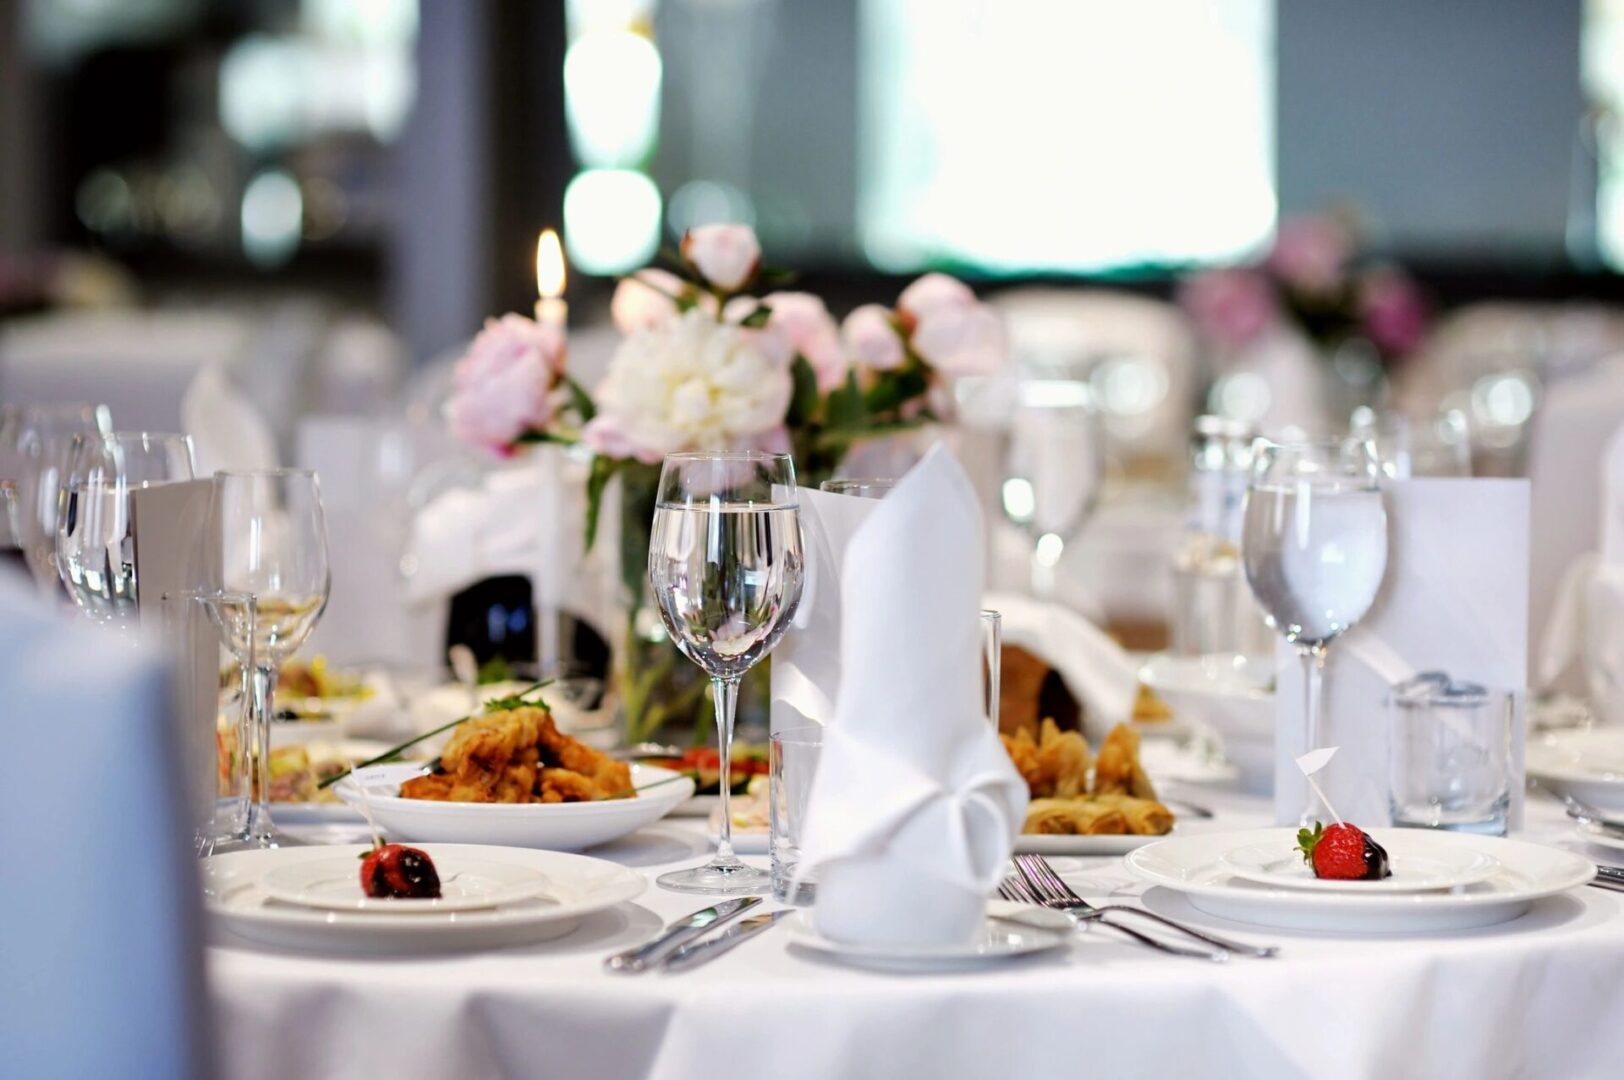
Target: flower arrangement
(1316, 279)
(717, 355)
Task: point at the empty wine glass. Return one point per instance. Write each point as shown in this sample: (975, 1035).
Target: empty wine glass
(1404, 446)
(36, 442)
(94, 535)
(1314, 544)
(272, 546)
(1053, 469)
(726, 565)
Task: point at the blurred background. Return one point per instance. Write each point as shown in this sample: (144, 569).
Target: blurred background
(320, 201)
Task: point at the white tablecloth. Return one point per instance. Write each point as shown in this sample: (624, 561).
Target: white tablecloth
(1542, 996)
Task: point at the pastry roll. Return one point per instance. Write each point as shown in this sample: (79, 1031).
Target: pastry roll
(1065, 758)
(1074, 817)
(1117, 769)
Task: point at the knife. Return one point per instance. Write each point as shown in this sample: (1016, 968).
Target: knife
(676, 935)
(699, 952)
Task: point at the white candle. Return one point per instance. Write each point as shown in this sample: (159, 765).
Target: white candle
(551, 308)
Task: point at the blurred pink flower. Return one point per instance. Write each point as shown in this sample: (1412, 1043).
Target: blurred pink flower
(933, 292)
(871, 338)
(962, 340)
(1311, 254)
(605, 436)
(646, 298)
(503, 385)
(1230, 307)
(727, 256)
(806, 325)
(1394, 315)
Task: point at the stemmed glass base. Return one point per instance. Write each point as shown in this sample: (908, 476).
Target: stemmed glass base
(718, 878)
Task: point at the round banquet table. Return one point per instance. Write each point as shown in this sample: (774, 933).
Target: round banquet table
(1540, 996)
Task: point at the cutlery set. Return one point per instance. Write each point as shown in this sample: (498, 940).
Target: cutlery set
(679, 946)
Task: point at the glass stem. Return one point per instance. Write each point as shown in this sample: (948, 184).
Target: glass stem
(726, 694)
(1313, 657)
(264, 691)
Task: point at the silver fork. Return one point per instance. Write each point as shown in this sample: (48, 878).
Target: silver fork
(1052, 892)
(1017, 890)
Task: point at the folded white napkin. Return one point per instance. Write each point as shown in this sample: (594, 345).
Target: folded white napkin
(1455, 599)
(915, 806)
(1098, 671)
(228, 431)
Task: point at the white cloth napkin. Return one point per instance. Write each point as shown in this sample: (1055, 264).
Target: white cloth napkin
(1098, 671)
(1455, 599)
(228, 431)
(915, 806)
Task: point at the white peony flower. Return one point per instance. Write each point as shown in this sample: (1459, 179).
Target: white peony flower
(872, 339)
(691, 384)
(727, 256)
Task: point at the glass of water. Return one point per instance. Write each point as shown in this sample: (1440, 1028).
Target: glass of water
(1449, 755)
(1314, 545)
(792, 762)
(726, 566)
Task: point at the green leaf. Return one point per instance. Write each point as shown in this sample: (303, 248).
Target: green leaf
(757, 318)
(533, 437)
(845, 408)
(894, 388)
(585, 407)
(837, 439)
(776, 276)
(603, 470)
(803, 401)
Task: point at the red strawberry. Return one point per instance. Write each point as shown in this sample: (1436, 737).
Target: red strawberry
(394, 871)
(1343, 853)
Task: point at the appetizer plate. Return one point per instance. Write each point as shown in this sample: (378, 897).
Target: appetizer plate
(466, 884)
(575, 887)
(329, 813)
(553, 826)
(1587, 765)
(1009, 931)
(1419, 861)
(1193, 866)
(1042, 844)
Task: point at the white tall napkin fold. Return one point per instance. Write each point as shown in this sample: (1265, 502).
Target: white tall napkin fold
(1455, 599)
(1104, 678)
(228, 430)
(915, 806)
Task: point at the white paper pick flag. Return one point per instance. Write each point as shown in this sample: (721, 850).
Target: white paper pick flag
(916, 806)
(1315, 760)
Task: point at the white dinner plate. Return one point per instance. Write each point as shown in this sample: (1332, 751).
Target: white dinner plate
(1032, 930)
(1193, 866)
(697, 806)
(1588, 765)
(1418, 860)
(1592, 833)
(466, 884)
(1045, 844)
(576, 886)
(554, 826)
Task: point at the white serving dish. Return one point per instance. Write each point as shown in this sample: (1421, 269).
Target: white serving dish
(1231, 696)
(1587, 765)
(1193, 866)
(553, 826)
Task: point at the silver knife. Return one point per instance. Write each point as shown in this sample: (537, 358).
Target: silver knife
(699, 952)
(678, 934)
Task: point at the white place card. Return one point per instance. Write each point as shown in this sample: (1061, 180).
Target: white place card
(1455, 599)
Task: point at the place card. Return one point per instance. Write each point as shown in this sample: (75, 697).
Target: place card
(1455, 599)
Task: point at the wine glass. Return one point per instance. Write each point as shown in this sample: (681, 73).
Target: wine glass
(1053, 469)
(35, 444)
(94, 542)
(726, 565)
(272, 546)
(1314, 544)
(1406, 447)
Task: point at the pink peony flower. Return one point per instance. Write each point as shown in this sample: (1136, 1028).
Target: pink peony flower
(806, 325)
(1311, 254)
(872, 339)
(960, 341)
(503, 385)
(604, 435)
(727, 256)
(646, 298)
(933, 292)
(1391, 307)
(1232, 307)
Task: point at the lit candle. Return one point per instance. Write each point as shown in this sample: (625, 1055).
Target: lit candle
(551, 308)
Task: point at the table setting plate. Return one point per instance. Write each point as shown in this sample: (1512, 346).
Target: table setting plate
(1586, 765)
(576, 886)
(1048, 844)
(466, 884)
(552, 826)
(1424, 861)
(1193, 866)
(1601, 834)
(1008, 932)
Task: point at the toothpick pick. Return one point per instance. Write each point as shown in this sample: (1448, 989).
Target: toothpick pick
(366, 809)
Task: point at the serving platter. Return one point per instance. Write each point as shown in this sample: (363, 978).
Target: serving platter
(1587, 765)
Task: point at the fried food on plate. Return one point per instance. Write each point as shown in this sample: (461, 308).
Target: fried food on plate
(1118, 768)
(1065, 757)
(1117, 800)
(517, 755)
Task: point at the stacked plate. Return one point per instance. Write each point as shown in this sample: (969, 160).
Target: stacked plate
(1440, 881)
(1586, 767)
(491, 896)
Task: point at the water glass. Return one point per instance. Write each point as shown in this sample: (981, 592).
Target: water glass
(859, 488)
(792, 758)
(992, 663)
(1450, 755)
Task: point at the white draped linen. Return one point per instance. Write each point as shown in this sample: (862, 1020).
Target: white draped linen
(1542, 996)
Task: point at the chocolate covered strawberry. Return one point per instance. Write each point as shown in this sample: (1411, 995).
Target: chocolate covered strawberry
(395, 871)
(1343, 853)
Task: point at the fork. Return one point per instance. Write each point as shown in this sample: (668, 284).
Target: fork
(1052, 892)
(1016, 890)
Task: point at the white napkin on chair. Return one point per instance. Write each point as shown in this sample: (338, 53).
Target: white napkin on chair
(915, 806)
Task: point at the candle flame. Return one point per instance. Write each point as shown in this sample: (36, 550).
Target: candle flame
(549, 265)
